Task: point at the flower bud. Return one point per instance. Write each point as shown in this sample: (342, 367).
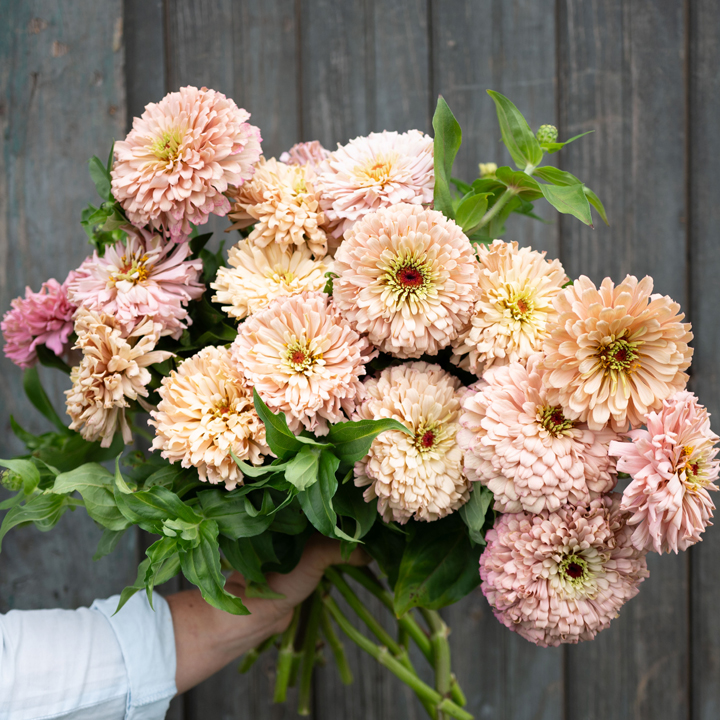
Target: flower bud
(11, 480)
(547, 134)
(488, 169)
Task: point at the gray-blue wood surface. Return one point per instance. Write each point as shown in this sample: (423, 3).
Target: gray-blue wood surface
(643, 74)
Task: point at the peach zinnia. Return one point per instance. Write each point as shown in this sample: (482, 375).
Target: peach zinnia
(181, 155)
(615, 352)
(407, 278)
(304, 360)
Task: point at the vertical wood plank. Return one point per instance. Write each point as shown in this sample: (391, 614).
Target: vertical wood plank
(622, 74)
(704, 194)
(508, 47)
(61, 101)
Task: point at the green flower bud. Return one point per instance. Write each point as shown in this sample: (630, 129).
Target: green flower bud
(488, 169)
(11, 480)
(547, 134)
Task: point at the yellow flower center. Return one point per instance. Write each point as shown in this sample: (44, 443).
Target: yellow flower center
(221, 409)
(574, 570)
(520, 305)
(553, 420)
(693, 469)
(619, 356)
(167, 146)
(408, 276)
(133, 270)
(427, 437)
(300, 356)
(376, 170)
(281, 276)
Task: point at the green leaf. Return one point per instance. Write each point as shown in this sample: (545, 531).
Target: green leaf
(249, 555)
(317, 500)
(554, 147)
(290, 520)
(231, 515)
(149, 508)
(43, 510)
(201, 566)
(48, 358)
(120, 481)
(519, 182)
(277, 434)
(27, 470)
(516, 133)
(108, 542)
(474, 512)
(350, 503)
(199, 242)
(37, 396)
(595, 202)
(555, 176)
(261, 590)
(439, 567)
(352, 439)
(462, 187)
(569, 200)
(302, 471)
(101, 177)
(448, 137)
(470, 211)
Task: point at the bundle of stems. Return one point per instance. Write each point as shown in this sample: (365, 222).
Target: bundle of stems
(300, 645)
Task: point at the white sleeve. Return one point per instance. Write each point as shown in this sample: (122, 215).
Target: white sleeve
(86, 664)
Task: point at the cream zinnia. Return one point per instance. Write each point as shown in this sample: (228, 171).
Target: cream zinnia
(282, 203)
(615, 352)
(561, 577)
(206, 412)
(113, 371)
(672, 465)
(181, 155)
(304, 360)
(407, 278)
(138, 278)
(511, 316)
(418, 475)
(373, 172)
(257, 276)
(524, 448)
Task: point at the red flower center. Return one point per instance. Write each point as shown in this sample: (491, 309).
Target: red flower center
(410, 277)
(574, 570)
(427, 439)
(298, 357)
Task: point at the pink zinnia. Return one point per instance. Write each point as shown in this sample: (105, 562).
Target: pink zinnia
(561, 577)
(180, 157)
(40, 318)
(673, 466)
(305, 153)
(138, 278)
(525, 449)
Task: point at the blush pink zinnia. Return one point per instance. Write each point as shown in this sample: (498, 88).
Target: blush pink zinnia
(672, 465)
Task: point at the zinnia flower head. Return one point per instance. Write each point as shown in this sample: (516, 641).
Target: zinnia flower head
(524, 448)
(40, 318)
(511, 316)
(615, 352)
(373, 172)
(206, 412)
(113, 370)
(672, 465)
(283, 204)
(304, 360)
(561, 577)
(408, 278)
(257, 276)
(418, 475)
(138, 278)
(181, 155)
(305, 153)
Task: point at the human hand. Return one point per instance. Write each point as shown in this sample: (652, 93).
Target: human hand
(207, 639)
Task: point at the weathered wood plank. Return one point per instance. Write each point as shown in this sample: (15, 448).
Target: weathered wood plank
(508, 47)
(704, 210)
(621, 74)
(61, 100)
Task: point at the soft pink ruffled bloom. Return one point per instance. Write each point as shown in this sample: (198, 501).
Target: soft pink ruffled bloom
(305, 153)
(376, 171)
(615, 352)
(40, 318)
(561, 577)
(180, 157)
(673, 466)
(141, 277)
(524, 448)
(304, 360)
(408, 279)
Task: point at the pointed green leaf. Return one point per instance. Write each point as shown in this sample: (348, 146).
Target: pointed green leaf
(595, 202)
(101, 177)
(108, 542)
(48, 358)
(37, 396)
(519, 182)
(302, 470)
(555, 176)
(446, 144)
(317, 500)
(474, 512)
(279, 437)
(27, 470)
(551, 148)
(516, 133)
(352, 439)
(231, 515)
(470, 211)
(569, 200)
(43, 510)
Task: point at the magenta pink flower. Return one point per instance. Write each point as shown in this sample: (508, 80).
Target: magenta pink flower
(561, 577)
(40, 318)
(138, 278)
(673, 466)
(181, 155)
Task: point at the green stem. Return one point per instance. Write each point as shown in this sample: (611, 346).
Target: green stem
(500, 203)
(338, 649)
(285, 658)
(383, 657)
(295, 667)
(441, 652)
(309, 644)
(251, 657)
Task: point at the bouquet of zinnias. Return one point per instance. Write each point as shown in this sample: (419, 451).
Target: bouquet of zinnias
(371, 364)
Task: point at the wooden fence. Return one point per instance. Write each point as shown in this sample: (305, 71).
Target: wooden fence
(643, 74)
